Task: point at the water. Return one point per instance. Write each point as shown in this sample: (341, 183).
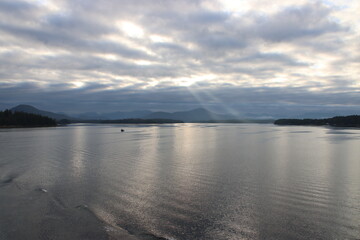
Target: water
(181, 181)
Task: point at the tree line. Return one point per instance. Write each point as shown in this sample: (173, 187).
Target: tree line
(22, 119)
(339, 121)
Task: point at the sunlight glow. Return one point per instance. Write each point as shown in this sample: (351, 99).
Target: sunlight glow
(49, 4)
(108, 56)
(131, 29)
(78, 84)
(160, 39)
(235, 6)
(188, 81)
(128, 42)
(143, 62)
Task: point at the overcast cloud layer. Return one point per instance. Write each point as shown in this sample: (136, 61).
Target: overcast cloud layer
(251, 57)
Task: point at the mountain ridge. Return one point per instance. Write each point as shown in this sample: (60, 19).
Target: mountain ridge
(113, 115)
(197, 115)
(193, 115)
(30, 109)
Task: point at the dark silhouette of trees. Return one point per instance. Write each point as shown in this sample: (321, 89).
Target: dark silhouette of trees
(339, 121)
(64, 121)
(22, 119)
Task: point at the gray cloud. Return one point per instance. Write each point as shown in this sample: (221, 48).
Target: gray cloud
(16, 6)
(297, 101)
(266, 58)
(67, 42)
(75, 56)
(297, 22)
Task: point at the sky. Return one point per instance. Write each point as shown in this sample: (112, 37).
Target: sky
(251, 58)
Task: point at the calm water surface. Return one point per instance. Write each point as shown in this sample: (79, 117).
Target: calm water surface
(185, 181)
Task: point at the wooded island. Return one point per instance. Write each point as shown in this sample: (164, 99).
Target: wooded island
(340, 121)
(22, 119)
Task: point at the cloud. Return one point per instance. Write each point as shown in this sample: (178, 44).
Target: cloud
(189, 53)
(16, 6)
(249, 102)
(292, 23)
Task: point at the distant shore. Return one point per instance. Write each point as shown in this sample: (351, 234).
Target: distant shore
(131, 121)
(339, 121)
(10, 119)
(14, 126)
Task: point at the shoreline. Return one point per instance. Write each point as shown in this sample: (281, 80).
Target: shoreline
(14, 126)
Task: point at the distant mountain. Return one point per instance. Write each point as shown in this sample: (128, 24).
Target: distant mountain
(126, 115)
(195, 115)
(90, 115)
(114, 115)
(139, 121)
(30, 109)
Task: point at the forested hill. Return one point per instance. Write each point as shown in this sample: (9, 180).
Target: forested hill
(22, 119)
(33, 110)
(340, 121)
